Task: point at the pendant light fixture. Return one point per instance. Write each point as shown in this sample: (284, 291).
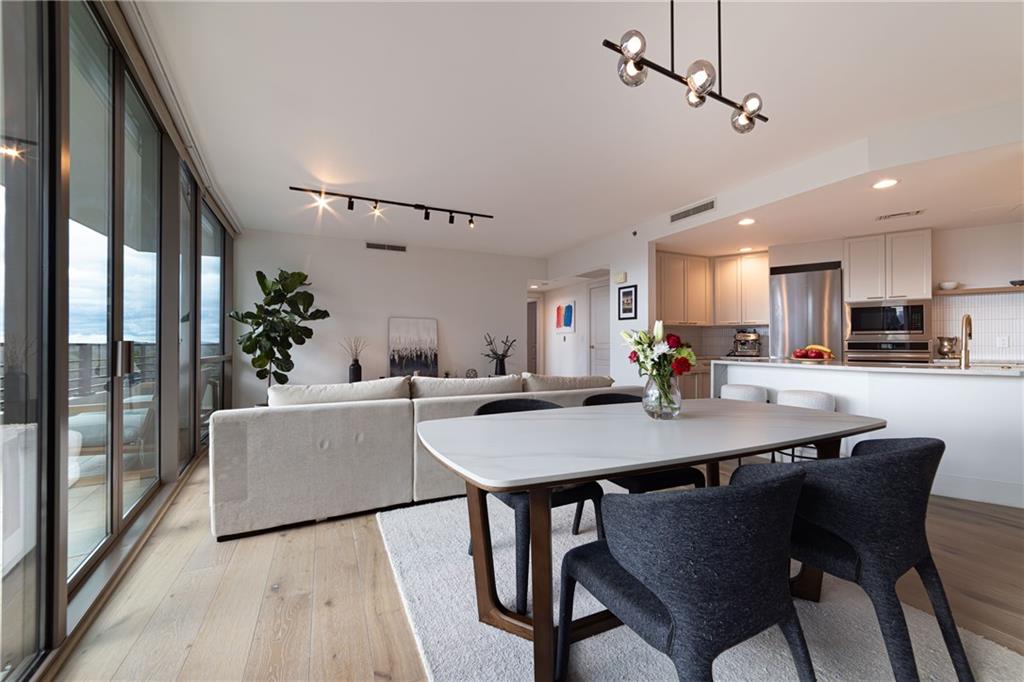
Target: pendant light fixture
(700, 77)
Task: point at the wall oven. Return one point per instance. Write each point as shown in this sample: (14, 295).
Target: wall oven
(888, 331)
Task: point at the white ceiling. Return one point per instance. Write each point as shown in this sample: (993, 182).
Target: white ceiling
(515, 109)
(963, 190)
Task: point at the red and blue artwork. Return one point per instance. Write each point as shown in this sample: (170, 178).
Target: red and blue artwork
(565, 322)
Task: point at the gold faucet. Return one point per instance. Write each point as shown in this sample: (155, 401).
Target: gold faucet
(966, 333)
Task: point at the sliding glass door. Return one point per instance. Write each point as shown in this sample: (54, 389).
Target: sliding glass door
(211, 323)
(22, 226)
(186, 303)
(113, 294)
(90, 286)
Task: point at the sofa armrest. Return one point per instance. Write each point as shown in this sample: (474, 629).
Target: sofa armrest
(280, 465)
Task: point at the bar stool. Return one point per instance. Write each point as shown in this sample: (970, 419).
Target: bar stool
(748, 392)
(814, 400)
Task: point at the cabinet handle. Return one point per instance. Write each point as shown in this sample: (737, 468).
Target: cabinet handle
(898, 296)
(874, 298)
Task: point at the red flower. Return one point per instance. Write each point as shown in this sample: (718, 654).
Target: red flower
(673, 341)
(680, 366)
(634, 356)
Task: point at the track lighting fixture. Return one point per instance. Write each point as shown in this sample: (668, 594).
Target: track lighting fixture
(322, 197)
(700, 77)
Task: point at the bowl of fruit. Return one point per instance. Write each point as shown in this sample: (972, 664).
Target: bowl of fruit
(813, 353)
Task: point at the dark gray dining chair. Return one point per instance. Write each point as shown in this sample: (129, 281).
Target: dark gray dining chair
(520, 502)
(693, 572)
(646, 483)
(862, 519)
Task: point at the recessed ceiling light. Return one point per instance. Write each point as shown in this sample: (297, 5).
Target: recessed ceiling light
(746, 249)
(535, 286)
(747, 221)
(885, 183)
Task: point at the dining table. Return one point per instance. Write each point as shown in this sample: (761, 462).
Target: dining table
(539, 451)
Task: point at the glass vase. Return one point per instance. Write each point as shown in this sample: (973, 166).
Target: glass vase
(662, 399)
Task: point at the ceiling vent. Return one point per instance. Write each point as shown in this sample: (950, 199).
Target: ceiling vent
(695, 209)
(901, 214)
(385, 247)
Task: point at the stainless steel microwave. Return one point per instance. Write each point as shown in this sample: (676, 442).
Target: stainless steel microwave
(889, 321)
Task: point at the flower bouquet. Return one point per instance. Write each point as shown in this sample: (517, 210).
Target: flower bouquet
(661, 358)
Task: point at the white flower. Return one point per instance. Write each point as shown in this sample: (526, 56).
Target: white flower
(660, 349)
(659, 331)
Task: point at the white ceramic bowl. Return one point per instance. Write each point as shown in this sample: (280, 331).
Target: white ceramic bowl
(946, 286)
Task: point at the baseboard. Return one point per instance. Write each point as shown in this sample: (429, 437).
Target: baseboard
(1006, 493)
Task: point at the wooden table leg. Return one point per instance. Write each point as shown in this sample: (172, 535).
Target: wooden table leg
(489, 609)
(713, 477)
(807, 583)
(543, 608)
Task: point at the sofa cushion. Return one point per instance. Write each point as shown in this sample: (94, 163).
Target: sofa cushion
(377, 389)
(433, 387)
(549, 382)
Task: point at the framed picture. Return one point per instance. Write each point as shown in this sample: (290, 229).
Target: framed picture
(627, 302)
(412, 346)
(565, 318)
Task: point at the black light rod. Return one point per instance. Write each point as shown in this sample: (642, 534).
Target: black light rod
(418, 207)
(644, 61)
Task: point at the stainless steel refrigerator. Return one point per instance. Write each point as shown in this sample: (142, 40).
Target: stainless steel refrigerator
(806, 307)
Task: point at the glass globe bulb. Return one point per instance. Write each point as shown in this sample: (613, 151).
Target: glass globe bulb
(752, 104)
(741, 123)
(701, 76)
(693, 99)
(630, 74)
(633, 44)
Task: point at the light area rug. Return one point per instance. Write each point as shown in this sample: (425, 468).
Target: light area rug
(427, 547)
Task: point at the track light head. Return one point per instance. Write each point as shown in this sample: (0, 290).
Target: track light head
(351, 204)
(426, 214)
(376, 209)
(321, 200)
(451, 218)
(472, 225)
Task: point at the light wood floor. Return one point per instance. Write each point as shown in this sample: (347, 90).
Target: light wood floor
(320, 601)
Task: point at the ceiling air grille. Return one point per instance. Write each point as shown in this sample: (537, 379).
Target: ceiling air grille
(385, 247)
(901, 214)
(702, 207)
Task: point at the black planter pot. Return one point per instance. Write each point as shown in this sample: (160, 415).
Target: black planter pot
(355, 372)
(499, 367)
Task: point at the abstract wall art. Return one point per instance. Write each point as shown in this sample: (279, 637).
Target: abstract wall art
(412, 346)
(565, 318)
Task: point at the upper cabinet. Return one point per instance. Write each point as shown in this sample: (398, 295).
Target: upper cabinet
(741, 289)
(909, 264)
(684, 289)
(888, 266)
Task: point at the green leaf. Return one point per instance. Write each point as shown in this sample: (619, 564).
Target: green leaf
(281, 377)
(264, 283)
(303, 299)
(263, 374)
(318, 314)
(306, 332)
(290, 281)
(260, 361)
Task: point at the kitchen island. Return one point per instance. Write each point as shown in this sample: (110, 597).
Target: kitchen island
(978, 412)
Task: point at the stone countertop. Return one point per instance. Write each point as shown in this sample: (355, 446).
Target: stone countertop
(977, 369)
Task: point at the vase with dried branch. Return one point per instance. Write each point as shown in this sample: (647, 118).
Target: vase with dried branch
(498, 356)
(354, 346)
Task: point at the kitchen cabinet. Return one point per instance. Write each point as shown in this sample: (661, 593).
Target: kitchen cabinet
(695, 384)
(741, 289)
(908, 264)
(684, 289)
(754, 288)
(888, 266)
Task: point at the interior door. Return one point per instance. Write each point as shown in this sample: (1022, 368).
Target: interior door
(531, 336)
(600, 319)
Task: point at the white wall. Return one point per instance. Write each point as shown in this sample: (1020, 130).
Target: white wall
(569, 354)
(988, 256)
(468, 293)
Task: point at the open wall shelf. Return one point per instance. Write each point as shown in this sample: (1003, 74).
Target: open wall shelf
(979, 290)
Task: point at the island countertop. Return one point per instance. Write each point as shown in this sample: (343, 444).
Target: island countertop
(1008, 369)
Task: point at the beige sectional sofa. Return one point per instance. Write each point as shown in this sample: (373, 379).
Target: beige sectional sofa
(304, 458)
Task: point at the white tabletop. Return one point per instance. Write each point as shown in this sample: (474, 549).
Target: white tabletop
(523, 449)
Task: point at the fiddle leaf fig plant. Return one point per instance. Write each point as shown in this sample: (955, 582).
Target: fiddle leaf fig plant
(276, 324)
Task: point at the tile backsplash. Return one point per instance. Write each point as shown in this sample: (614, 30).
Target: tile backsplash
(998, 321)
